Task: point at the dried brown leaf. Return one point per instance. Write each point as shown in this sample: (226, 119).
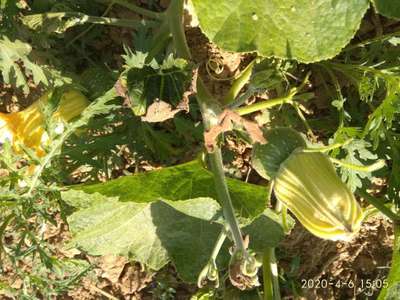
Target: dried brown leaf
(226, 121)
(122, 91)
(111, 267)
(159, 111)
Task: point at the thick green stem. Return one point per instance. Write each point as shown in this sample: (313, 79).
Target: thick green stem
(215, 159)
(218, 245)
(210, 271)
(267, 277)
(270, 276)
(175, 21)
(109, 7)
(289, 99)
(113, 21)
(210, 110)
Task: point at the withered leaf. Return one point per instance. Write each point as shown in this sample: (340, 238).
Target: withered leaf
(122, 91)
(159, 111)
(226, 121)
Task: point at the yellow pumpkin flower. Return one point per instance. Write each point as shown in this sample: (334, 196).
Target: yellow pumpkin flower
(27, 127)
(308, 185)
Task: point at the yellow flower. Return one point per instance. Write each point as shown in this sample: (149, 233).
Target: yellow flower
(308, 185)
(26, 127)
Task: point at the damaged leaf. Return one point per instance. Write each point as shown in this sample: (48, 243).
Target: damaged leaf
(227, 120)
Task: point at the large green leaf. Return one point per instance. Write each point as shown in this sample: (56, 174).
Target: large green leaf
(388, 8)
(186, 181)
(143, 216)
(299, 29)
(151, 233)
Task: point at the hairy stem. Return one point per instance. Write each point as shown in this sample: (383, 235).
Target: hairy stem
(210, 110)
(329, 147)
(371, 168)
(270, 276)
(215, 159)
(175, 20)
(245, 110)
(289, 99)
(267, 277)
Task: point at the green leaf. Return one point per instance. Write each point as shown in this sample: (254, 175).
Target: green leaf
(146, 82)
(261, 239)
(293, 29)
(383, 116)
(355, 153)
(267, 158)
(145, 217)
(388, 8)
(150, 233)
(186, 181)
(13, 53)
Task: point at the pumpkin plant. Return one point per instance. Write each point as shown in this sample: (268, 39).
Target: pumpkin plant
(209, 226)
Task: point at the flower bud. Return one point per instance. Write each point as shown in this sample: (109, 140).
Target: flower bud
(308, 185)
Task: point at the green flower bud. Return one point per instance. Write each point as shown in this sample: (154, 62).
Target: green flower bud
(308, 185)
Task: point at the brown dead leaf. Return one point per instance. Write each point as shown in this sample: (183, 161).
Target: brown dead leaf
(122, 91)
(111, 267)
(159, 111)
(4, 173)
(191, 91)
(226, 121)
(134, 279)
